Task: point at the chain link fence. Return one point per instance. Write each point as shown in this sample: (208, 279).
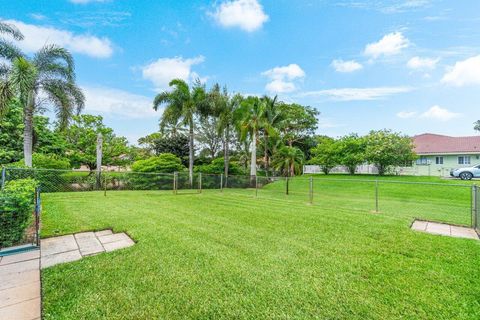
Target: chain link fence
(450, 202)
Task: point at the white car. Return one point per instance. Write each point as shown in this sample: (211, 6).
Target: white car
(466, 173)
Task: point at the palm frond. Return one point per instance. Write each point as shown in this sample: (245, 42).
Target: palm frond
(6, 95)
(9, 51)
(52, 59)
(10, 29)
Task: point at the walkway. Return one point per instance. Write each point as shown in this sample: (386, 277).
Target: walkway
(20, 274)
(444, 229)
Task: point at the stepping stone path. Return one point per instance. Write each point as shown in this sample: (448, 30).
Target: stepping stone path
(20, 273)
(444, 229)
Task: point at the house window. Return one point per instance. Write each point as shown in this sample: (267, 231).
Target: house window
(422, 161)
(464, 160)
(439, 160)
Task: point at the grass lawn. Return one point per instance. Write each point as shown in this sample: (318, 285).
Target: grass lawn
(232, 256)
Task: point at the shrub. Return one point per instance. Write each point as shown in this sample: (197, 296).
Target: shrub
(163, 163)
(217, 167)
(16, 206)
(44, 161)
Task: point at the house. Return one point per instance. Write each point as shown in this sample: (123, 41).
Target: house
(438, 154)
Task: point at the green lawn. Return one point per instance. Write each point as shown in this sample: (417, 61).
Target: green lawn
(232, 256)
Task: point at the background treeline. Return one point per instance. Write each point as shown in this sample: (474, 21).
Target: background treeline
(201, 129)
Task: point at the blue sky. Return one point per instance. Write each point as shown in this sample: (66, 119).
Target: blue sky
(412, 66)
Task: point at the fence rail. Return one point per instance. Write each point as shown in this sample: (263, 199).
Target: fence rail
(456, 203)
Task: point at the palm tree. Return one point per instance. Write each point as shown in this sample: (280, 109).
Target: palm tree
(288, 160)
(224, 108)
(272, 118)
(476, 125)
(49, 74)
(174, 129)
(182, 105)
(250, 122)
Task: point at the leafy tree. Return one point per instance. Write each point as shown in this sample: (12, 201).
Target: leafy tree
(11, 130)
(250, 123)
(163, 163)
(82, 142)
(45, 161)
(325, 154)
(385, 149)
(148, 142)
(182, 104)
(299, 121)
(288, 160)
(351, 152)
(48, 76)
(208, 135)
(476, 125)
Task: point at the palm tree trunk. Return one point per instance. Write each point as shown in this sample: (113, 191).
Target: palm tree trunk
(253, 160)
(28, 130)
(225, 151)
(190, 155)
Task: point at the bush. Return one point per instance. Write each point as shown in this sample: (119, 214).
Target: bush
(163, 163)
(16, 206)
(217, 167)
(44, 161)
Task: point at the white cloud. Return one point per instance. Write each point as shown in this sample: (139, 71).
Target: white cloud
(466, 72)
(438, 113)
(280, 86)
(357, 94)
(247, 15)
(110, 101)
(390, 44)
(282, 78)
(37, 36)
(422, 63)
(346, 66)
(406, 114)
(162, 71)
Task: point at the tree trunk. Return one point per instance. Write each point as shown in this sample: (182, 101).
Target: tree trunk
(225, 151)
(28, 130)
(292, 169)
(190, 155)
(253, 160)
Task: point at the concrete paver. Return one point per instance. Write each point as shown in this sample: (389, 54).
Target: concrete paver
(20, 294)
(445, 229)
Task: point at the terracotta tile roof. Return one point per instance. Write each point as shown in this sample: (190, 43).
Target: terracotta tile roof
(429, 143)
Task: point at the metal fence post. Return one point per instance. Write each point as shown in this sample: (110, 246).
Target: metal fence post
(200, 182)
(174, 183)
(311, 190)
(286, 186)
(37, 216)
(475, 206)
(376, 195)
(221, 182)
(105, 185)
(4, 176)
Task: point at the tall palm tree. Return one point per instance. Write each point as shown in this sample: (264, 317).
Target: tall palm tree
(250, 122)
(46, 78)
(224, 107)
(288, 160)
(182, 104)
(272, 118)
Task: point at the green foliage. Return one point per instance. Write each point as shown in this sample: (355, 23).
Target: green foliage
(163, 163)
(81, 137)
(11, 133)
(16, 206)
(288, 160)
(45, 161)
(351, 151)
(385, 149)
(217, 166)
(298, 121)
(325, 154)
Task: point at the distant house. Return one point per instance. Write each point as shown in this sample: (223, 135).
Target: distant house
(438, 154)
